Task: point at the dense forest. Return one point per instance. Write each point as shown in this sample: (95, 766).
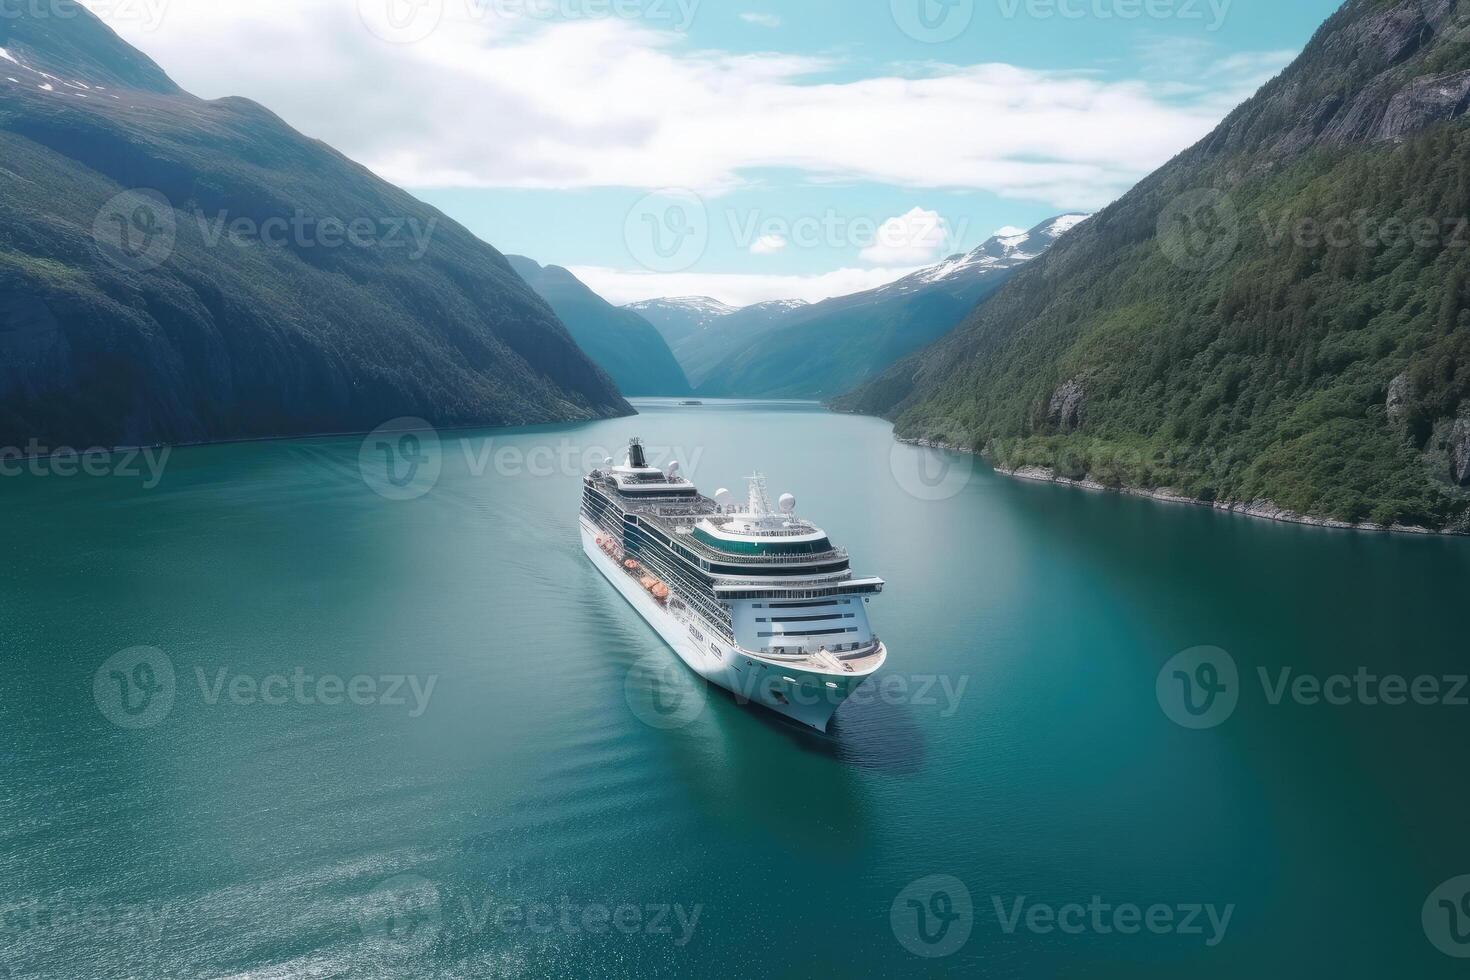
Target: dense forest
(1280, 314)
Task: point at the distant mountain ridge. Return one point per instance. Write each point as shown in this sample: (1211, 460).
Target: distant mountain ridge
(621, 342)
(824, 349)
(679, 316)
(1216, 335)
(138, 319)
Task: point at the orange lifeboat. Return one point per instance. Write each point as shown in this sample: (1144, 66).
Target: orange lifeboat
(661, 592)
(631, 565)
(648, 582)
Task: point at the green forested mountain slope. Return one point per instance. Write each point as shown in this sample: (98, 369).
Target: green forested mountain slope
(1279, 314)
(621, 342)
(250, 282)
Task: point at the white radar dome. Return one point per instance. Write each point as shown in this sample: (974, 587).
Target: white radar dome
(722, 497)
(787, 503)
(672, 469)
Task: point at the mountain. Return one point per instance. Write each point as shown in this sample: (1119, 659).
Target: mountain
(1277, 320)
(680, 316)
(701, 352)
(180, 270)
(621, 342)
(825, 349)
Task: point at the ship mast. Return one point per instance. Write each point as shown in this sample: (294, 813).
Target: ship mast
(758, 504)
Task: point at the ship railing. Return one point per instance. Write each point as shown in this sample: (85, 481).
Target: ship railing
(714, 554)
(816, 558)
(832, 657)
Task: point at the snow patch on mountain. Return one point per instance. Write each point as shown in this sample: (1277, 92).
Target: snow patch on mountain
(8, 56)
(1065, 224)
(702, 305)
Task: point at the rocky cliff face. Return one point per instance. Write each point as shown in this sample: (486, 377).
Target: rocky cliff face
(1459, 449)
(1369, 87)
(1068, 406)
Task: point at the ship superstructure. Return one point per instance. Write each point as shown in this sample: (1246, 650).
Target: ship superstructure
(750, 596)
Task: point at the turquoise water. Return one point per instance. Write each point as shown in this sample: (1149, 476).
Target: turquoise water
(549, 801)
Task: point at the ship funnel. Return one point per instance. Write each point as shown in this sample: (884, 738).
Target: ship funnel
(636, 458)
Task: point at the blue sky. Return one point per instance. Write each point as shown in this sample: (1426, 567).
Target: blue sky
(800, 149)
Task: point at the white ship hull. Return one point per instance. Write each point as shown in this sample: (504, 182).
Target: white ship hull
(802, 694)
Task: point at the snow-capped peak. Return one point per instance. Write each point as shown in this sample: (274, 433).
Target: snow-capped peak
(8, 56)
(1008, 248)
(1065, 223)
(703, 305)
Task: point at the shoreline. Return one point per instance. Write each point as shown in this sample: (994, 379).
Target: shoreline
(1264, 510)
(246, 440)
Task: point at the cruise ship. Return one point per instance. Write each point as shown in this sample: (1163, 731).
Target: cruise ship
(750, 597)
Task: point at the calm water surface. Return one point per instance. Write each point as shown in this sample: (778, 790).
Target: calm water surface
(539, 811)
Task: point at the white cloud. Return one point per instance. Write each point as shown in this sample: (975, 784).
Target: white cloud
(622, 287)
(497, 101)
(768, 245)
(909, 239)
(762, 20)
